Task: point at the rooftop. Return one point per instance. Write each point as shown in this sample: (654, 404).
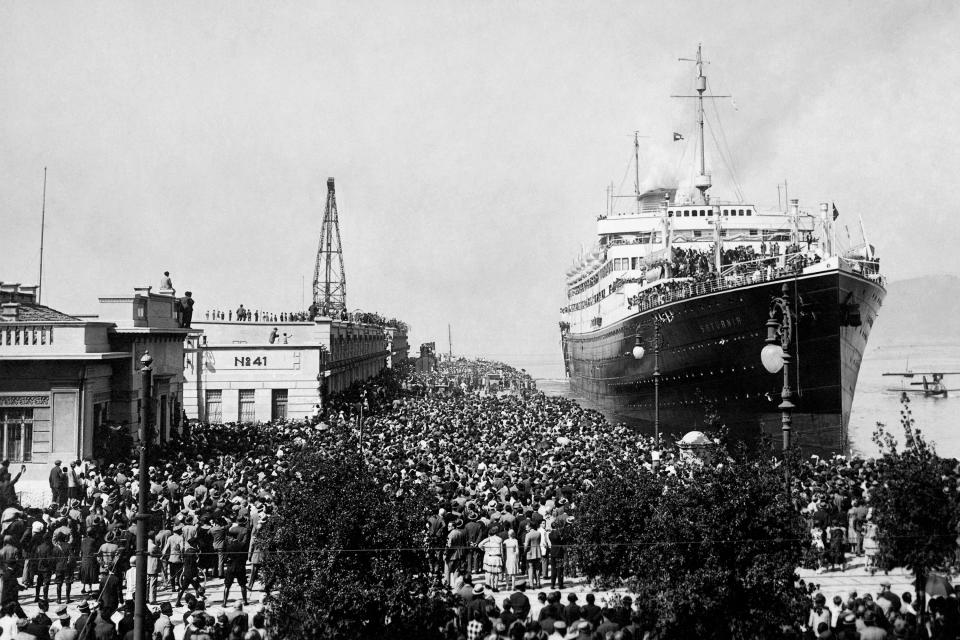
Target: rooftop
(31, 312)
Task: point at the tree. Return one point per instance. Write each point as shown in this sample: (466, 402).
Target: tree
(611, 517)
(346, 554)
(915, 515)
(717, 552)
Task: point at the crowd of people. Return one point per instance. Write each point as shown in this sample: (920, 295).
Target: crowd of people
(508, 471)
(243, 314)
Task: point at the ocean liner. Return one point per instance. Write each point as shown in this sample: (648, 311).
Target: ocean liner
(669, 312)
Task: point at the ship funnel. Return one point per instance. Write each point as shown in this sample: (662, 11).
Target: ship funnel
(330, 188)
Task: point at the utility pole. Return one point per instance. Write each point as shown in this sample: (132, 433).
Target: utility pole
(43, 220)
(143, 490)
(449, 342)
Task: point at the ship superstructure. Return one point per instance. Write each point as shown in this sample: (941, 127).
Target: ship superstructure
(705, 271)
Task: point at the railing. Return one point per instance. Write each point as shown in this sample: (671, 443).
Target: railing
(682, 291)
(25, 335)
(867, 268)
(733, 276)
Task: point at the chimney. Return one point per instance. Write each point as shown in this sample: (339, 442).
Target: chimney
(10, 311)
(28, 293)
(8, 290)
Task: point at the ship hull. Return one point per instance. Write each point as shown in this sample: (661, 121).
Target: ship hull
(710, 369)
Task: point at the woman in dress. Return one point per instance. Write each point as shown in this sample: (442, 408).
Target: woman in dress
(511, 550)
(492, 547)
(89, 567)
(532, 542)
(870, 545)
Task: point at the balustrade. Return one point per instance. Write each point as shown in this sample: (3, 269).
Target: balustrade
(20, 335)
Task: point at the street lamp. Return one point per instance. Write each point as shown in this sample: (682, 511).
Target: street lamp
(140, 595)
(638, 353)
(776, 355)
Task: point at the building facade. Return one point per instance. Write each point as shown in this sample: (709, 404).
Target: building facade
(62, 376)
(245, 371)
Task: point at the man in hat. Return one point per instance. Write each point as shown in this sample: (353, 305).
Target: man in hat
(58, 483)
(238, 545)
(186, 309)
(11, 567)
(559, 630)
(456, 543)
(172, 553)
(892, 599)
(474, 532)
(81, 622)
(558, 555)
(62, 621)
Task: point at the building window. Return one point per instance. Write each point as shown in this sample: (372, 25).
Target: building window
(214, 410)
(17, 434)
(278, 405)
(248, 411)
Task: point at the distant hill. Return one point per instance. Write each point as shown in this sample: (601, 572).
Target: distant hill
(919, 311)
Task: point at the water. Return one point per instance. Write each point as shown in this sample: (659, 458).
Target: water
(877, 398)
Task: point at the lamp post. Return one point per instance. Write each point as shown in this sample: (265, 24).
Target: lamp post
(776, 356)
(638, 353)
(140, 602)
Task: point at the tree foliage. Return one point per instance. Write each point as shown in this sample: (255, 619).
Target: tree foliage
(611, 517)
(345, 553)
(915, 514)
(714, 551)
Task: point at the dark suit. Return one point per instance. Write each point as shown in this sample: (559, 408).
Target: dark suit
(558, 553)
(591, 613)
(58, 484)
(474, 531)
(186, 311)
(571, 612)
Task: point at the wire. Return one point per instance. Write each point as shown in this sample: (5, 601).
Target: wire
(577, 545)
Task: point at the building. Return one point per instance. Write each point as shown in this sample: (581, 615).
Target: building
(427, 361)
(64, 376)
(247, 371)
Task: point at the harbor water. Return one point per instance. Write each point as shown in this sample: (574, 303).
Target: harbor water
(877, 397)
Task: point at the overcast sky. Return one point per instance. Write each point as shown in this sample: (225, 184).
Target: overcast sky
(471, 143)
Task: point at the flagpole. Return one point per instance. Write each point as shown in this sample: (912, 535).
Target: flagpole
(43, 218)
(833, 230)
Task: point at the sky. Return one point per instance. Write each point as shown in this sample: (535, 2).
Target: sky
(471, 142)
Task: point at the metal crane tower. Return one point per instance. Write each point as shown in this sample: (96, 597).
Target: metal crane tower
(329, 281)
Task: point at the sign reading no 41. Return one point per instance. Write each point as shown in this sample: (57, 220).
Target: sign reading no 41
(241, 361)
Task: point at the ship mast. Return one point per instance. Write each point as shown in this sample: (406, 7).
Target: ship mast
(636, 164)
(703, 180)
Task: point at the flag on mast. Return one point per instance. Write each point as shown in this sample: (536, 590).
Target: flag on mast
(836, 214)
(677, 136)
